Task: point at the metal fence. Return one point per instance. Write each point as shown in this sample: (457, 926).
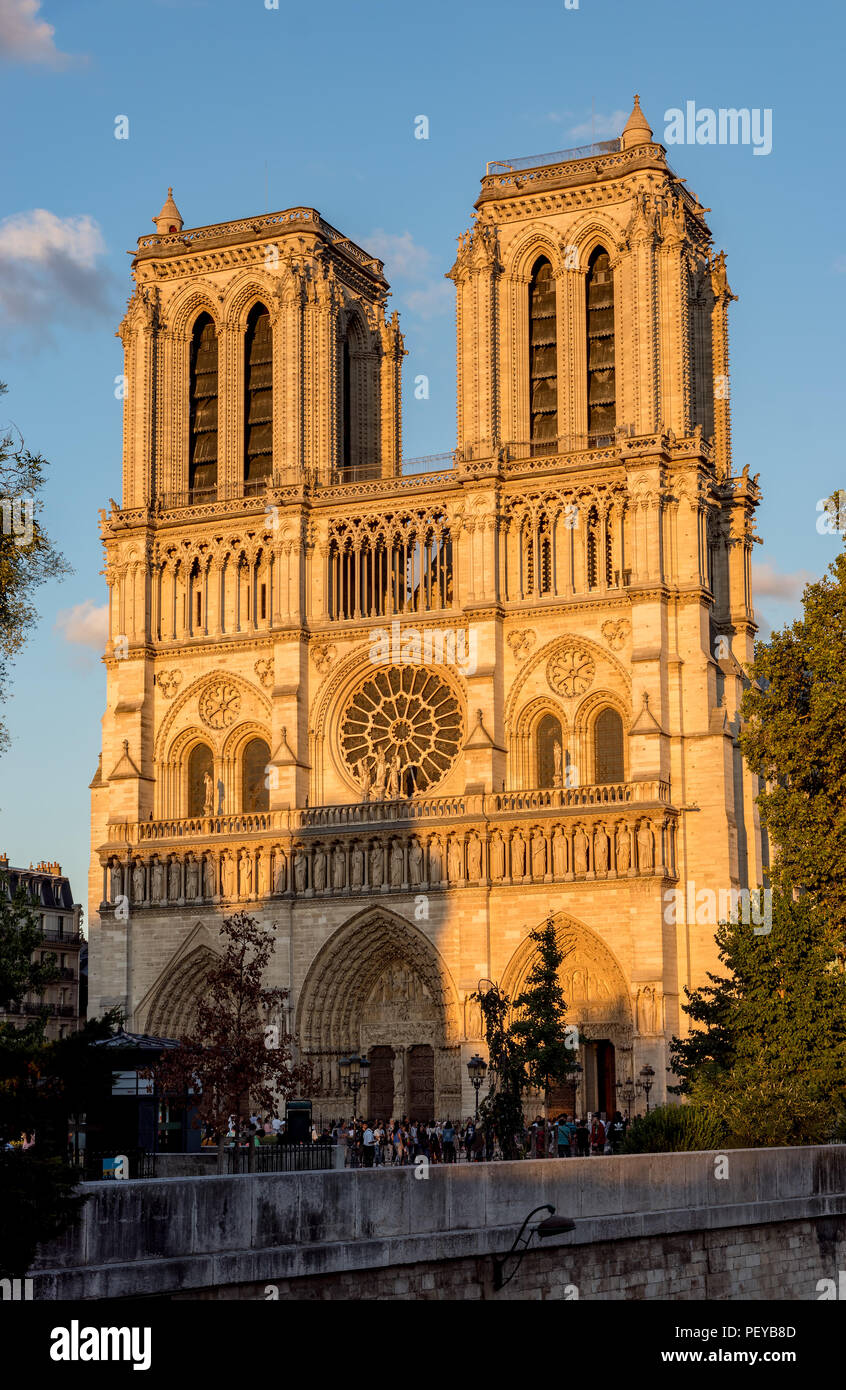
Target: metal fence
(100, 1165)
(282, 1158)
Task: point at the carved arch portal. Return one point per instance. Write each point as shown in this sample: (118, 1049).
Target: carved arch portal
(172, 1010)
(379, 982)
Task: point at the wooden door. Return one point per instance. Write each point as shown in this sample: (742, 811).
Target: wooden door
(380, 1086)
(421, 1083)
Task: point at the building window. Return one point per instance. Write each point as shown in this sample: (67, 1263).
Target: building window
(200, 762)
(602, 397)
(258, 407)
(608, 747)
(550, 763)
(202, 470)
(255, 793)
(543, 360)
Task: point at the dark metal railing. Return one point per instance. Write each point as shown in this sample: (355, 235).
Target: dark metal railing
(281, 1158)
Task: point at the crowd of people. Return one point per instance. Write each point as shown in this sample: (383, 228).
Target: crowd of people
(398, 1143)
(376, 1144)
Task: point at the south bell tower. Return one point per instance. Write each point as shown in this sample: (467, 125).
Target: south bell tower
(402, 717)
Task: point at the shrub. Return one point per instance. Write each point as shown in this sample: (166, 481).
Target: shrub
(675, 1129)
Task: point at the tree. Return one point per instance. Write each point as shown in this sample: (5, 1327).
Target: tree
(794, 739)
(20, 973)
(231, 1060)
(546, 1043)
(501, 1112)
(769, 1053)
(27, 555)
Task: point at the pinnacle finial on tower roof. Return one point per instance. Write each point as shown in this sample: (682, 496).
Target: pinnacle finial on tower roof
(170, 218)
(637, 130)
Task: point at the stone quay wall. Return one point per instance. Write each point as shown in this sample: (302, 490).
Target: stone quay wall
(752, 1223)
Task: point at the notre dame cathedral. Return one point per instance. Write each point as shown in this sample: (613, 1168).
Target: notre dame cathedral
(404, 716)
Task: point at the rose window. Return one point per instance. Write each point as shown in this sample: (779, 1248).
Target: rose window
(571, 672)
(402, 712)
(219, 704)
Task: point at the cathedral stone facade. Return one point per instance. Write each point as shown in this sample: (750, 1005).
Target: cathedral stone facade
(404, 716)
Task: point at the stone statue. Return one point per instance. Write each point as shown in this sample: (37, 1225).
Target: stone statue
(394, 778)
(497, 852)
(173, 884)
(538, 855)
(474, 859)
(645, 850)
(376, 866)
(319, 869)
(559, 853)
(380, 775)
(357, 866)
(556, 762)
(281, 873)
(600, 851)
(209, 878)
(396, 864)
(245, 875)
(208, 793)
(227, 876)
(263, 867)
(138, 882)
(156, 881)
(192, 878)
(415, 863)
(300, 866)
(454, 860)
(116, 879)
(339, 869)
(518, 856)
(436, 869)
(624, 850)
(580, 851)
(365, 774)
(646, 1010)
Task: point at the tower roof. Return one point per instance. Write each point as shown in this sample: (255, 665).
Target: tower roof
(170, 218)
(637, 130)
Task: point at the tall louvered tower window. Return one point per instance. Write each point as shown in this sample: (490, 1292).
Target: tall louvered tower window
(543, 359)
(258, 406)
(608, 747)
(602, 391)
(346, 409)
(202, 468)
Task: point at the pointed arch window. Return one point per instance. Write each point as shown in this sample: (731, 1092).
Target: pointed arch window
(200, 763)
(202, 467)
(609, 762)
(255, 795)
(543, 359)
(549, 763)
(602, 389)
(258, 405)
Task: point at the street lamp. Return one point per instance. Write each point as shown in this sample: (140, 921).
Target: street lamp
(477, 1067)
(354, 1072)
(646, 1082)
(626, 1092)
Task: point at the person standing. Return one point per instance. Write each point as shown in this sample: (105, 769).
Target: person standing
(368, 1142)
(449, 1142)
(617, 1132)
(582, 1135)
(597, 1135)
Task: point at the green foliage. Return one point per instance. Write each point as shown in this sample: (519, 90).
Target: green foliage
(794, 739)
(24, 564)
(501, 1112)
(539, 1031)
(675, 1129)
(772, 1032)
(40, 1202)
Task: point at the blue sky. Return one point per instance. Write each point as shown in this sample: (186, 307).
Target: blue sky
(317, 104)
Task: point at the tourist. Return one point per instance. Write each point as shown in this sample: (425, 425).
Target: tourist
(477, 1145)
(597, 1135)
(617, 1132)
(582, 1135)
(449, 1142)
(368, 1144)
(562, 1137)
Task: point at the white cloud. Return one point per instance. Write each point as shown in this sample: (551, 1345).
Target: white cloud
(425, 292)
(600, 127)
(49, 270)
(26, 38)
(84, 625)
(402, 255)
(770, 582)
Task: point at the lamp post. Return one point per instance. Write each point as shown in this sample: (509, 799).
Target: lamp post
(646, 1082)
(626, 1092)
(354, 1072)
(477, 1067)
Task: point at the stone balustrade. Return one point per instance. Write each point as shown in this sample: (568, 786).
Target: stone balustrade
(490, 841)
